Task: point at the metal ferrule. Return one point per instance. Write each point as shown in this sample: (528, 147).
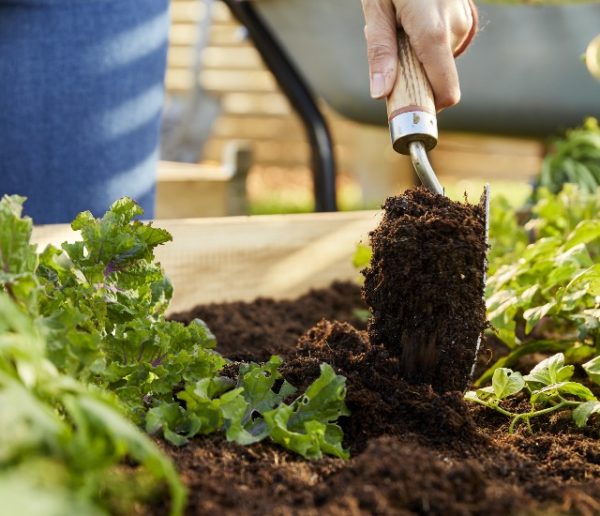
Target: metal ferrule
(412, 126)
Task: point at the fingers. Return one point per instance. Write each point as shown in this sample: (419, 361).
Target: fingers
(437, 30)
(382, 45)
(434, 51)
(464, 26)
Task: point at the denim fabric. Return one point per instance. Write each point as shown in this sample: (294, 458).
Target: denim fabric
(81, 94)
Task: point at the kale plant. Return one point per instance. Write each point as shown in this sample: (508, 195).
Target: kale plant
(103, 300)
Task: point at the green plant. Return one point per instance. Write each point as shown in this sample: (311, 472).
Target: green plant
(574, 159)
(549, 388)
(102, 301)
(508, 238)
(546, 297)
(63, 442)
(86, 356)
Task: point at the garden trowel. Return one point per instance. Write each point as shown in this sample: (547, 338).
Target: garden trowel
(413, 128)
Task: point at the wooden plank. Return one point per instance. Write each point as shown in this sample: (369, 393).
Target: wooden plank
(185, 172)
(242, 58)
(221, 13)
(240, 258)
(233, 81)
(187, 11)
(179, 80)
(185, 34)
(181, 57)
(277, 128)
(191, 197)
(227, 36)
(271, 104)
(266, 152)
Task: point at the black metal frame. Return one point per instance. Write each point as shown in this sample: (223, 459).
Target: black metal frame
(297, 91)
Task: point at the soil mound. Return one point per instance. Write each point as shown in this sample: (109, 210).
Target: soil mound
(381, 401)
(394, 476)
(255, 331)
(425, 286)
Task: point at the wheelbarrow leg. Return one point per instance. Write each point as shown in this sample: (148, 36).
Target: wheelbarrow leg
(300, 97)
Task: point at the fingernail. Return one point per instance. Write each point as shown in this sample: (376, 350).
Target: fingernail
(377, 85)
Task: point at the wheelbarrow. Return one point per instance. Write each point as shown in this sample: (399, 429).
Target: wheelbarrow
(523, 76)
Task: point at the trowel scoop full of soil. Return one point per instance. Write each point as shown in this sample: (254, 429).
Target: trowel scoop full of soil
(425, 285)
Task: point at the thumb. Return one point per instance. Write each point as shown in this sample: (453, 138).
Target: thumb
(382, 45)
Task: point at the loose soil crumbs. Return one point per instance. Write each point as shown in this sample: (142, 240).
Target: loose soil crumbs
(425, 286)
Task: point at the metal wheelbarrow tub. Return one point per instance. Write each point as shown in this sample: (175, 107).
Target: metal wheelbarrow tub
(522, 76)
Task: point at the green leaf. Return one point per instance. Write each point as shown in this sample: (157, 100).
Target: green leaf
(582, 413)
(258, 382)
(168, 418)
(576, 389)
(306, 425)
(528, 348)
(592, 368)
(563, 388)
(590, 277)
(238, 428)
(506, 382)
(550, 371)
(38, 486)
(585, 232)
(534, 315)
(123, 433)
(17, 255)
(362, 256)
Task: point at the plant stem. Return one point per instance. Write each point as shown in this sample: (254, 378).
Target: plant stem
(527, 416)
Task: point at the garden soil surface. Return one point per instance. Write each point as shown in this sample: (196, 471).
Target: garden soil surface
(418, 447)
(413, 451)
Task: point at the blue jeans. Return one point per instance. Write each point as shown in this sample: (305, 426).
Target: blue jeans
(81, 95)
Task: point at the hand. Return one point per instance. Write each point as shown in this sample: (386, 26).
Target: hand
(438, 30)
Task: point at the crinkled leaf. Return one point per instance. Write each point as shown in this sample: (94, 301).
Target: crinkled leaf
(258, 382)
(17, 254)
(311, 439)
(306, 426)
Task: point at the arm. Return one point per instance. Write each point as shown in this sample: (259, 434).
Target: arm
(438, 30)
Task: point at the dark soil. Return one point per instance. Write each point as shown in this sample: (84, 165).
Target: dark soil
(425, 287)
(414, 451)
(265, 327)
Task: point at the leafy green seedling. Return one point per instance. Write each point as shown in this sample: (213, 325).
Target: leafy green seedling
(550, 390)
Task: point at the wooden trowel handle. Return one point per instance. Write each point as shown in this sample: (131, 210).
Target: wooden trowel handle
(411, 106)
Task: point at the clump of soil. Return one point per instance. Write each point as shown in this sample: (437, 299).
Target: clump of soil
(381, 401)
(265, 327)
(425, 287)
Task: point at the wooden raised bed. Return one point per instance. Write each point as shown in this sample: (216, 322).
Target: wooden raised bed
(241, 258)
